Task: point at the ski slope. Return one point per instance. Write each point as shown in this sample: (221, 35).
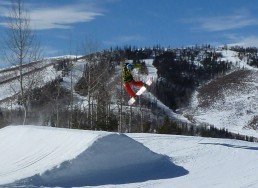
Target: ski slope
(212, 163)
(34, 156)
(153, 74)
(236, 105)
(39, 78)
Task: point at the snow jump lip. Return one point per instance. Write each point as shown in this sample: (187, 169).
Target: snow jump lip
(110, 159)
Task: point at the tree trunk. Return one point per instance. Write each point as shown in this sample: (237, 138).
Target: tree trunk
(21, 48)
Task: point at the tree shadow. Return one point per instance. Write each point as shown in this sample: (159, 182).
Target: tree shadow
(233, 146)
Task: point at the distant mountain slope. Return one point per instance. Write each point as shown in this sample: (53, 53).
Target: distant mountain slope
(87, 92)
(43, 72)
(229, 101)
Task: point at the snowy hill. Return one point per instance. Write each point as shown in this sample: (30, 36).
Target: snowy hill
(10, 89)
(36, 74)
(229, 101)
(43, 156)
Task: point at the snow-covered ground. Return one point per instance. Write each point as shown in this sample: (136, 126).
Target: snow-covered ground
(37, 79)
(232, 56)
(53, 157)
(217, 163)
(75, 74)
(65, 57)
(238, 106)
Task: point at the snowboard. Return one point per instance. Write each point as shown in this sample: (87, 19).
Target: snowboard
(140, 91)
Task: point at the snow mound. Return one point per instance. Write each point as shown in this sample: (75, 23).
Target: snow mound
(41, 156)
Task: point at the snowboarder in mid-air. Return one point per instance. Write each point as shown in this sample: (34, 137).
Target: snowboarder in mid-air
(129, 81)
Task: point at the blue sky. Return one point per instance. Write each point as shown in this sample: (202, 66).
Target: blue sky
(61, 25)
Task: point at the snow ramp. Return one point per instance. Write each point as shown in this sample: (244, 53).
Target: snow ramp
(34, 156)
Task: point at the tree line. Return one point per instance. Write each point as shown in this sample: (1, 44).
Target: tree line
(171, 127)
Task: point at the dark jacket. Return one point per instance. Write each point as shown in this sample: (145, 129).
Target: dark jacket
(127, 74)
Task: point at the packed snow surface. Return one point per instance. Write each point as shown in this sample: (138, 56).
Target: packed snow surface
(41, 156)
(213, 163)
(33, 156)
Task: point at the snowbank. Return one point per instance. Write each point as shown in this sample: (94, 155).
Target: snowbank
(41, 156)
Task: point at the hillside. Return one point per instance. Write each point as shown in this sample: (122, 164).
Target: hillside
(128, 94)
(229, 101)
(76, 158)
(198, 86)
(64, 82)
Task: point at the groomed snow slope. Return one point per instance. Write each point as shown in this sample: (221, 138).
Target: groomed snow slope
(33, 156)
(211, 162)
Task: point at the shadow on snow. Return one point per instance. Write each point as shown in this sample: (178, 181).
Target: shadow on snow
(232, 146)
(115, 159)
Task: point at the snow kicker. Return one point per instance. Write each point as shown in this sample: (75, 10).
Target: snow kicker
(52, 157)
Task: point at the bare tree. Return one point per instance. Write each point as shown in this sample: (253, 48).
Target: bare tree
(89, 47)
(21, 47)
